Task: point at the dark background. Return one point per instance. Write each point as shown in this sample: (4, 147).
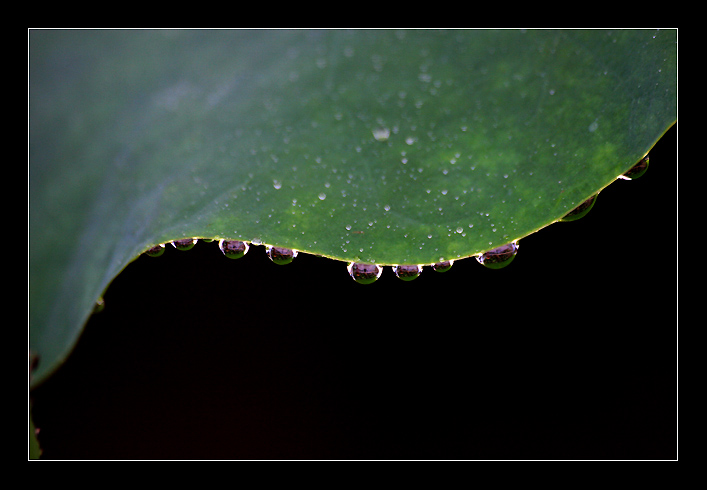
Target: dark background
(568, 353)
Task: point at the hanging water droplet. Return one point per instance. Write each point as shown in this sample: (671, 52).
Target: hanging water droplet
(381, 134)
(280, 255)
(185, 244)
(99, 306)
(581, 210)
(499, 257)
(407, 272)
(364, 273)
(443, 266)
(637, 170)
(155, 251)
(233, 249)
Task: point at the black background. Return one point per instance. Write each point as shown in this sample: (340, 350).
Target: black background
(568, 353)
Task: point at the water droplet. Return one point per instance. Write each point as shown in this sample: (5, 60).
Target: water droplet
(364, 273)
(499, 257)
(381, 134)
(410, 140)
(280, 255)
(442, 266)
(185, 243)
(155, 251)
(407, 272)
(581, 210)
(460, 229)
(99, 306)
(256, 241)
(637, 170)
(322, 196)
(277, 184)
(233, 249)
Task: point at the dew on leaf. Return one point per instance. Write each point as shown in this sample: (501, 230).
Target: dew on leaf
(364, 273)
(233, 249)
(280, 255)
(442, 266)
(407, 272)
(185, 243)
(637, 170)
(581, 210)
(155, 251)
(499, 257)
(99, 305)
(381, 134)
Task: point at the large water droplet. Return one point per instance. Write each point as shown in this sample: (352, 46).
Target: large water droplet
(443, 266)
(407, 272)
(155, 251)
(280, 255)
(581, 210)
(637, 170)
(499, 257)
(364, 273)
(233, 249)
(185, 244)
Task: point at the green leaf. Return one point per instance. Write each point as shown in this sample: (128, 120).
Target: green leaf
(393, 147)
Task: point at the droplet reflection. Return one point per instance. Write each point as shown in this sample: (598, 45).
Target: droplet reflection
(499, 257)
(280, 255)
(233, 249)
(364, 273)
(637, 170)
(185, 244)
(155, 251)
(443, 266)
(581, 210)
(407, 272)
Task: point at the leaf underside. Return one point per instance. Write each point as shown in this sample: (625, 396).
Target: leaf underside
(387, 147)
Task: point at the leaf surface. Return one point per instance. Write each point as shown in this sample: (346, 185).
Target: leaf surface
(393, 147)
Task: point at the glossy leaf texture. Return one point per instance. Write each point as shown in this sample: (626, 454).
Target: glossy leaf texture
(386, 147)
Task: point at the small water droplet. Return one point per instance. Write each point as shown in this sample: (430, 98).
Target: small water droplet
(460, 229)
(499, 257)
(155, 251)
(442, 266)
(99, 306)
(322, 196)
(637, 170)
(233, 249)
(280, 255)
(256, 241)
(364, 273)
(381, 134)
(410, 140)
(407, 272)
(185, 243)
(581, 210)
(277, 184)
